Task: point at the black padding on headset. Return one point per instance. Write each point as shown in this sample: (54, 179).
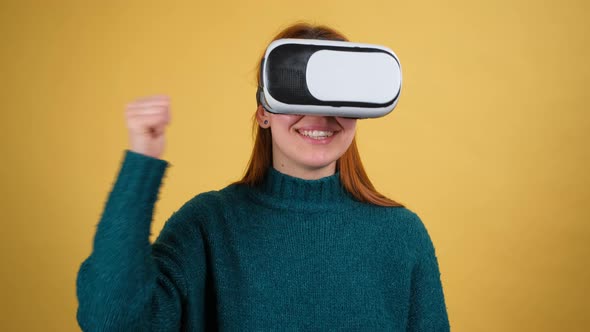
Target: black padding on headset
(286, 74)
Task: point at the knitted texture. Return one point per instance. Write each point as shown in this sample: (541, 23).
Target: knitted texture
(289, 255)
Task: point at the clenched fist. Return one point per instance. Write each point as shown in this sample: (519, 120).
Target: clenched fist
(147, 119)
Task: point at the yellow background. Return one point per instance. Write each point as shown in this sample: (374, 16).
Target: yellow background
(489, 143)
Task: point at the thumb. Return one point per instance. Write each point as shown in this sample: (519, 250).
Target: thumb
(157, 131)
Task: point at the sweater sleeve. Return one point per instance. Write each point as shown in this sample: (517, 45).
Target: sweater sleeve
(428, 310)
(128, 284)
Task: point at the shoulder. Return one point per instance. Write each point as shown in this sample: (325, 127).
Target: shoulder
(200, 210)
(411, 220)
(214, 200)
(417, 233)
(393, 215)
(401, 222)
(215, 197)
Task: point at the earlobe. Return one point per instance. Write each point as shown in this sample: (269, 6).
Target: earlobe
(262, 117)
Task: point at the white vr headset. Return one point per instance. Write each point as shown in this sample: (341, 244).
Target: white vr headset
(330, 78)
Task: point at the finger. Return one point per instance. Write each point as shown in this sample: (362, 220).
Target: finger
(152, 103)
(159, 130)
(152, 98)
(145, 123)
(147, 111)
(157, 99)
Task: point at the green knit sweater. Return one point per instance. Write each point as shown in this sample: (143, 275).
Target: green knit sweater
(289, 255)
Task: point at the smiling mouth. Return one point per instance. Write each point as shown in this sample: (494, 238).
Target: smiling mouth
(316, 134)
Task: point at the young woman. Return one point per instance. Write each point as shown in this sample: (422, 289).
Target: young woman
(302, 242)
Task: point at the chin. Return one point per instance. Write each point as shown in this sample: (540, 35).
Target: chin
(318, 164)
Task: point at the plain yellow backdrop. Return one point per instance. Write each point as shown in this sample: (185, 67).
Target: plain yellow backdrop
(489, 142)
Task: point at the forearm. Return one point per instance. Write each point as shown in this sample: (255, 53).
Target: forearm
(116, 283)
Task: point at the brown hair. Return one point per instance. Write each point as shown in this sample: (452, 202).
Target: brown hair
(352, 173)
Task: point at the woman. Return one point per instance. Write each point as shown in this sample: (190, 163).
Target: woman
(302, 242)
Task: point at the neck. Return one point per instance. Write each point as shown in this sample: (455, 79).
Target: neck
(302, 171)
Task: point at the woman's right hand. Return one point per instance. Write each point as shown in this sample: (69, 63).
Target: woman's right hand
(147, 119)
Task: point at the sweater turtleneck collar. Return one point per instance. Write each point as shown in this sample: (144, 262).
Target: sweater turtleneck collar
(283, 190)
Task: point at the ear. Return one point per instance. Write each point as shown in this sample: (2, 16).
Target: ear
(262, 117)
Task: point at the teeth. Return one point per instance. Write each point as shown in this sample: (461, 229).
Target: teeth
(316, 134)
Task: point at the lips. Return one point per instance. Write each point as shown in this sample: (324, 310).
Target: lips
(316, 134)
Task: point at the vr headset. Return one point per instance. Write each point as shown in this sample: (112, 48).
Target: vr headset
(330, 78)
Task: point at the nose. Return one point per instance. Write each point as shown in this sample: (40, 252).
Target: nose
(321, 119)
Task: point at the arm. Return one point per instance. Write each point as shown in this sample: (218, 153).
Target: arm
(126, 284)
(428, 311)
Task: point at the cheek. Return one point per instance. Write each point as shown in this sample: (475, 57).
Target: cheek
(349, 125)
(285, 120)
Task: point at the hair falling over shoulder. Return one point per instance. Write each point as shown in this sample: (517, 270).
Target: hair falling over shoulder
(352, 173)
